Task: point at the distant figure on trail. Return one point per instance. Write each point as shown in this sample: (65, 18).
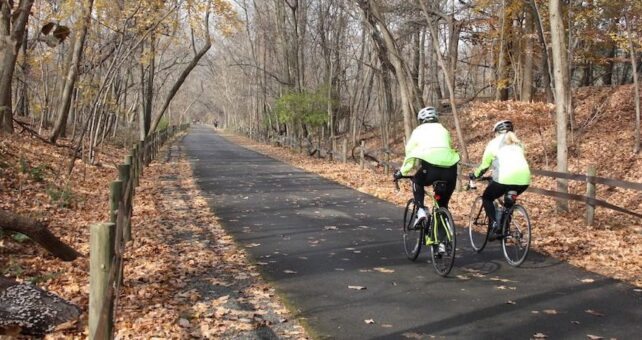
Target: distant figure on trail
(430, 146)
(216, 124)
(505, 153)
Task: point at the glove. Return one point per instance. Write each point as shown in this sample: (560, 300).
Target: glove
(472, 176)
(397, 175)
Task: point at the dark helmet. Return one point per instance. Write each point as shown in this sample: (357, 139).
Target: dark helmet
(503, 126)
(427, 114)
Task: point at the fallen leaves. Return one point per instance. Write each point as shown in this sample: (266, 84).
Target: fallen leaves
(383, 270)
(163, 266)
(183, 323)
(369, 321)
(357, 287)
(593, 312)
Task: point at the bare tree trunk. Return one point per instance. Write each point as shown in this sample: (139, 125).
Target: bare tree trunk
(451, 89)
(527, 67)
(39, 233)
(23, 90)
(12, 29)
(387, 49)
(547, 72)
(181, 79)
(501, 72)
(70, 81)
(148, 89)
(560, 65)
(636, 84)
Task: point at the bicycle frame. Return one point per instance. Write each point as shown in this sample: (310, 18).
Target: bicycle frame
(433, 210)
(515, 236)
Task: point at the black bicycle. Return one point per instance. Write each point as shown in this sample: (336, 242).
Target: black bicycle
(513, 219)
(436, 231)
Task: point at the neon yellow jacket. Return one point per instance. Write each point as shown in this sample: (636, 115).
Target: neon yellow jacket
(429, 142)
(508, 162)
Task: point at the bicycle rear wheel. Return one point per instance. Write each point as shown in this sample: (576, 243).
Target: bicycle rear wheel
(412, 236)
(445, 234)
(478, 226)
(517, 239)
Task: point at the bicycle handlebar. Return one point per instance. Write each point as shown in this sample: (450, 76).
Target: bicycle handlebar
(471, 183)
(397, 181)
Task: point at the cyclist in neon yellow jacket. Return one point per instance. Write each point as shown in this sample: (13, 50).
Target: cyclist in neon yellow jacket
(431, 147)
(505, 154)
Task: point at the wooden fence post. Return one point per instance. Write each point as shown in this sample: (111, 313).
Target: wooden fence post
(115, 195)
(135, 165)
(333, 150)
(361, 155)
(129, 160)
(386, 164)
(123, 172)
(101, 252)
(344, 150)
(590, 192)
(141, 157)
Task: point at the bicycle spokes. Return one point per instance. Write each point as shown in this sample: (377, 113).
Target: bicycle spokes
(517, 241)
(412, 234)
(478, 226)
(444, 247)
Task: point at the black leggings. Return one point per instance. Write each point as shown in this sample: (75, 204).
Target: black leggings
(430, 173)
(494, 191)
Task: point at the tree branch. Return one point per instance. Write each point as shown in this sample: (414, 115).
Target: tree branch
(38, 232)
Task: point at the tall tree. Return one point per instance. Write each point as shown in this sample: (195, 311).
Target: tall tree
(72, 73)
(390, 53)
(186, 71)
(560, 66)
(636, 83)
(13, 22)
(448, 73)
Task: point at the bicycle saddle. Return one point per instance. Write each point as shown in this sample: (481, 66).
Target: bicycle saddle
(439, 186)
(510, 198)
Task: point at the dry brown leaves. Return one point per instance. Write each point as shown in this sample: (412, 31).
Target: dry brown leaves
(604, 119)
(33, 181)
(184, 276)
(160, 295)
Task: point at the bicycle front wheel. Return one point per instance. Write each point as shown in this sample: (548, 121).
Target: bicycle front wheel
(478, 226)
(445, 246)
(517, 235)
(412, 236)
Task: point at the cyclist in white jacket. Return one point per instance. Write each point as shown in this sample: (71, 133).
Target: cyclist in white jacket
(505, 154)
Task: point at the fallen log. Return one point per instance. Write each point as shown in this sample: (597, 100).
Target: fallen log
(38, 232)
(31, 310)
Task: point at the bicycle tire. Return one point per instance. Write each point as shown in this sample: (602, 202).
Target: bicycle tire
(443, 262)
(412, 237)
(517, 240)
(478, 226)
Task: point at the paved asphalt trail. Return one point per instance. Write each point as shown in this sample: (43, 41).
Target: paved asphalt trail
(313, 238)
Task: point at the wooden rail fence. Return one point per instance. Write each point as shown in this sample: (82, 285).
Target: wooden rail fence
(591, 181)
(590, 178)
(108, 240)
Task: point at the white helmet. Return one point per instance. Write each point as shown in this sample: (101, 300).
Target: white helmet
(503, 126)
(427, 114)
